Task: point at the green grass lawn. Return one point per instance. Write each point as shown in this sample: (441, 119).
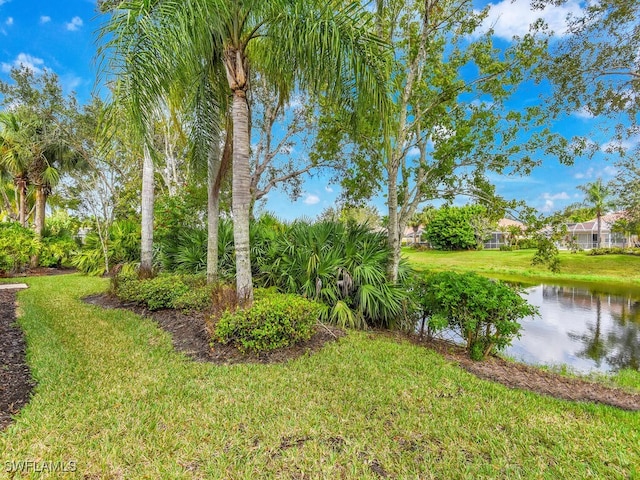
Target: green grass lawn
(115, 398)
(620, 269)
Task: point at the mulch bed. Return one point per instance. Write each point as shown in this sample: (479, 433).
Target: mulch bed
(16, 383)
(189, 335)
(38, 272)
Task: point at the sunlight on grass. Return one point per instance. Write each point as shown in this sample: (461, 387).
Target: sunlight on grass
(573, 266)
(114, 396)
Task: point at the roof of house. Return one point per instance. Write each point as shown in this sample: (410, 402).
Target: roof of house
(507, 222)
(591, 226)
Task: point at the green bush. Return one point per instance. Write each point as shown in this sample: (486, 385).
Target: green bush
(155, 293)
(196, 299)
(17, 245)
(162, 291)
(484, 312)
(457, 228)
(57, 251)
(273, 321)
(123, 246)
(614, 251)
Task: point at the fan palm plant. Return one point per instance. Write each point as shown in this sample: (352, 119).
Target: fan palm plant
(343, 267)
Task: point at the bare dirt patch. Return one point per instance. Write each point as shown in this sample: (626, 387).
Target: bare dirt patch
(16, 383)
(190, 335)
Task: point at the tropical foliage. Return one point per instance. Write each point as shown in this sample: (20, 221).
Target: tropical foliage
(120, 245)
(274, 321)
(483, 312)
(458, 228)
(341, 266)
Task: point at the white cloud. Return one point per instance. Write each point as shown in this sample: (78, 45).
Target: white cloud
(584, 113)
(24, 60)
(328, 189)
(555, 196)
(484, 104)
(548, 206)
(551, 198)
(9, 21)
(45, 19)
(509, 18)
(587, 174)
(70, 82)
(617, 146)
(611, 171)
(74, 24)
(311, 199)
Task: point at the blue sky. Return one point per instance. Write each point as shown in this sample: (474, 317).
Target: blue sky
(60, 36)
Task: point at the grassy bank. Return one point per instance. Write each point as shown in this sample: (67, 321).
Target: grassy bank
(115, 398)
(581, 267)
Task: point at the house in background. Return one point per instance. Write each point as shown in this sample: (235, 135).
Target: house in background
(411, 235)
(586, 233)
(501, 235)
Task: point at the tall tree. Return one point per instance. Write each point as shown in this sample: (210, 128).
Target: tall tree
(323, 46)
(598, 196)
(47, 131)
(15, 157)
(450, 121)
(594, 66)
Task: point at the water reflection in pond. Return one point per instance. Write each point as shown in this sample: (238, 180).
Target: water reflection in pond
(581, 328)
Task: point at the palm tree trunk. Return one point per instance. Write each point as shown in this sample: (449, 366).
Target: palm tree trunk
(241, 197)
(41, 203)
(146, 241)
(393, 238)
(7, 204)
(213, 211)
(217, 168)
(599, 230)
(21, 186)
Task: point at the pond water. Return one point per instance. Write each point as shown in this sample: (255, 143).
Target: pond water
(583, 327)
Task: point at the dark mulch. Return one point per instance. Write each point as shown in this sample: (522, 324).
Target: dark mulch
(525, 377)
(15, 378)
(38, 272)
(190, 335)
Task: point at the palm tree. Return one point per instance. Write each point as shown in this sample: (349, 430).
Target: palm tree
(599, 197)
(15, 157)
(420, 219)
(320, 45)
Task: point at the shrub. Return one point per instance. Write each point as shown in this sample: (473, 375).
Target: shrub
(196, 299)
(458, 228)
(273, 321)
(484, 312)
(57, 251)
(156, 293)
(122, 244)
(17, 245)
(161, 291)
(614, 251)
